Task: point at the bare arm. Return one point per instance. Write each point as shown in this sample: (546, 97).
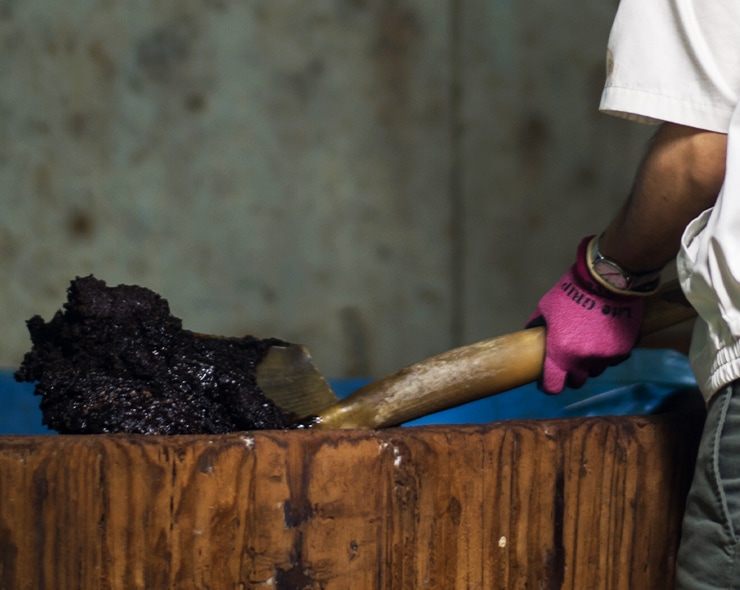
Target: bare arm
(679, 177)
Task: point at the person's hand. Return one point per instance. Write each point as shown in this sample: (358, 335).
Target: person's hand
(588, 327)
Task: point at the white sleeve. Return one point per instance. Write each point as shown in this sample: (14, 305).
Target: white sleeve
(675, 61)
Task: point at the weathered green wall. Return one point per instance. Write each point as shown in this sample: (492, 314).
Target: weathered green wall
(378, 180)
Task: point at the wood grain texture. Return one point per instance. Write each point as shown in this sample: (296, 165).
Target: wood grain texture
(586, 503)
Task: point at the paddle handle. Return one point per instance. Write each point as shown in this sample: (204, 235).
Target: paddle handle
(472, 372)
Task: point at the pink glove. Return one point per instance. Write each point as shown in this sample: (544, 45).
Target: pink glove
(589, 327)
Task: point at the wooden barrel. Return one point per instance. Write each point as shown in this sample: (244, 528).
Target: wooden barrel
(584, 503)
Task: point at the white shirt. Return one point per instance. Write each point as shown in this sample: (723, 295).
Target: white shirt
(679, 61)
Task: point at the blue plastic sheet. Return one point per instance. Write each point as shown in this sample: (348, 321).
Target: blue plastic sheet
(20, 408)
(640, 385)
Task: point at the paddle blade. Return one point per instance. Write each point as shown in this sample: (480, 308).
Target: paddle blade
(289, 378)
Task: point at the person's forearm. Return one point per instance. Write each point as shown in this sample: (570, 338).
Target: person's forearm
(680, 176)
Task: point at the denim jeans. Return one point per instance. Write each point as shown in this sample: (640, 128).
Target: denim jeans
(709, 554)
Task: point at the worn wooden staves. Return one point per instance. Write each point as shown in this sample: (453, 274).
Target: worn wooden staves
(585, 503)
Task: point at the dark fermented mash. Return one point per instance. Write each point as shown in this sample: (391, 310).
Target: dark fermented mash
(115, 359)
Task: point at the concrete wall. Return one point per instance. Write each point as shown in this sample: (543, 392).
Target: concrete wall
(378, 180)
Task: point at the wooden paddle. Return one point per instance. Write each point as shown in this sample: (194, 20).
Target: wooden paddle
(450, 379)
